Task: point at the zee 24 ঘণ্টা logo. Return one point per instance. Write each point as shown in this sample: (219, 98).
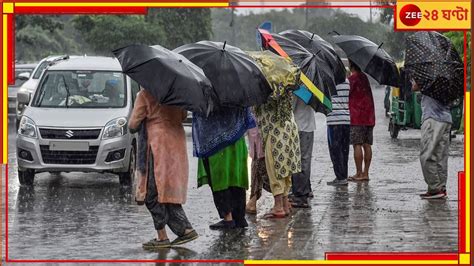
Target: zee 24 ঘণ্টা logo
(411, 15)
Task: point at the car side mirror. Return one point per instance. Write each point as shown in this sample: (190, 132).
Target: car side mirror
(24, 76)
(23, 97)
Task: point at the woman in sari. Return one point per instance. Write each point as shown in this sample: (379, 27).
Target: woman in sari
(167, 176)
(220, 145)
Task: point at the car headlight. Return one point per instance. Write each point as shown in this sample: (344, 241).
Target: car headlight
(27, 128)
(115, 128)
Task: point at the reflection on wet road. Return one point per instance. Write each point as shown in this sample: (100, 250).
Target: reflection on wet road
(89, 216)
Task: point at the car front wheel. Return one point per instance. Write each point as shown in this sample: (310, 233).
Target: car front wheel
(26, 177)
(126, 178)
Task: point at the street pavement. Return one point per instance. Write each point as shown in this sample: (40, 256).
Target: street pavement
(90, 216)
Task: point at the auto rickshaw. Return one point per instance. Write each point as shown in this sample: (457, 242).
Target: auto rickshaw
(405, 108)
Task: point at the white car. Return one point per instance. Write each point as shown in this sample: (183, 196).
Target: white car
(77, 119)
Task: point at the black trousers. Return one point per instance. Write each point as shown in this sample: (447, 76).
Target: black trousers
(230, 200)
(338, 142)
(301, 182)
(164, 214)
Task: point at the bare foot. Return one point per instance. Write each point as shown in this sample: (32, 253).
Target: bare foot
(287, 206)
(251, 207)
(354, 177)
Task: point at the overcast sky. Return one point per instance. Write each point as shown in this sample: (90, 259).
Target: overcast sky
(363, 13)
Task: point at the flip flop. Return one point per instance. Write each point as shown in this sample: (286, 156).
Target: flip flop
(271, 215)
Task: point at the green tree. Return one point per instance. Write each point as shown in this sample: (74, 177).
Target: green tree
(103, 33)
(181, 25)
(457, 38)
(39, 36)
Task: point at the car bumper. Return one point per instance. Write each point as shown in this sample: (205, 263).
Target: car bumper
(38, 149)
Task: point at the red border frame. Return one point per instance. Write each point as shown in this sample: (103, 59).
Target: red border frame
(329, 255)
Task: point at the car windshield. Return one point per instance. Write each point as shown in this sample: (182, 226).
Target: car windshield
(81, 89)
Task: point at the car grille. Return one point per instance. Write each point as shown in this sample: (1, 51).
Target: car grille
(69, 157)
(48, 133)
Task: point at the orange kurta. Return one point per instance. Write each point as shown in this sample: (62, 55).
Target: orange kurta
(167, 142)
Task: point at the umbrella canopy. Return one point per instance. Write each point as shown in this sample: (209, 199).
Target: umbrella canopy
(313, 89)
(435, 65)
(370, 57)
(321, 48)
(170, 77)
(236, 78)
(280, 72)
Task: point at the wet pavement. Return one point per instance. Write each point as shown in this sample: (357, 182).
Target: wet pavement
(90, 216)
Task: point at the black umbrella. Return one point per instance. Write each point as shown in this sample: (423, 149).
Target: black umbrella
(435, 65)
(235, 76)
(313, 66)
(370, 57)
(323, 49)
(170, 77)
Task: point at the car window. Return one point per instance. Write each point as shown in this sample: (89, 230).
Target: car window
(40, 69)
(81, 89)
(135, 89)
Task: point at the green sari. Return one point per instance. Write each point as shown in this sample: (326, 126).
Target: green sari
(228, 168)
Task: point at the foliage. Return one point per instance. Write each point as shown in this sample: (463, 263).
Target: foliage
(181, 25)
(457, 38)
(39, 36)
(107, 32)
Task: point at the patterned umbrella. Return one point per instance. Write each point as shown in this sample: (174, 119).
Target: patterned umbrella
(435, 65)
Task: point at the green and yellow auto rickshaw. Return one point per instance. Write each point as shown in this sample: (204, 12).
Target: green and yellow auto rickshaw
(403, 107)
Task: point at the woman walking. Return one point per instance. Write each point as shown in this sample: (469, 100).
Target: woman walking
(167, 176)
(220, 145)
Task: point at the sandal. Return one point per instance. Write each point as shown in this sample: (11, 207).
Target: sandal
(272, 215)
(185, 238)
(155, 244)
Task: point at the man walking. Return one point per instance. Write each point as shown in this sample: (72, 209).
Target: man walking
(301, 188)
(435, 129)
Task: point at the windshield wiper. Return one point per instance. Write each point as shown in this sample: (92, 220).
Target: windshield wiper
(67, 91)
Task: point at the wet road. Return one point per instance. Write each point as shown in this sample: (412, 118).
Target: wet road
(89, 216)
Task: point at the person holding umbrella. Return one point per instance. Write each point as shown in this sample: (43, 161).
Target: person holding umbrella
(436, 69)
(218, 139)
(220, 145)
(160, 110)
(278, 129)
(362, 115)
(167, 182)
